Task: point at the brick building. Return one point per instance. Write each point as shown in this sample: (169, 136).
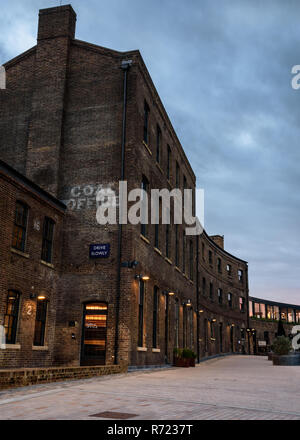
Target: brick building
(76, 117)
(30, 245)
(264, 319)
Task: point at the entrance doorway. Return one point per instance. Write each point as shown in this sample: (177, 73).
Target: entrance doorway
(94, 334)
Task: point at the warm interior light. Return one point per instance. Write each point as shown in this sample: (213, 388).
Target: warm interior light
(41, 297)
(145, 278)
(171, 293)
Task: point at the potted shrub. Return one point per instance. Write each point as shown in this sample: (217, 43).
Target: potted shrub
(178, 358)
(282, 356)
(193, 359)
(186, 355)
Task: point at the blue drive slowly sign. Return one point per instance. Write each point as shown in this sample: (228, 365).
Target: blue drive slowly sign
(99, 250)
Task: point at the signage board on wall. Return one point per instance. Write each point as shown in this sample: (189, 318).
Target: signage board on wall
(99, 250)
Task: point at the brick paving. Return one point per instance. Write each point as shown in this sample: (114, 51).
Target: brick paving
(229, 388)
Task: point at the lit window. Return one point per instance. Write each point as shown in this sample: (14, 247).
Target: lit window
(242, 304)
(11, 317)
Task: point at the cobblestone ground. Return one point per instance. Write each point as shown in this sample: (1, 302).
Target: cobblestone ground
(229, 388)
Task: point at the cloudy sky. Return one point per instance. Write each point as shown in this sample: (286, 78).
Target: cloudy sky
(223, 71)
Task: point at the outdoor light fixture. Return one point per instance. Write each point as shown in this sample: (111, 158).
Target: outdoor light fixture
(171, 293)
(214, 320)
(232, 325)
(201, 311)
(41, 297)
(130, 264)
(188, 303)
(248, 330)
(142, 277)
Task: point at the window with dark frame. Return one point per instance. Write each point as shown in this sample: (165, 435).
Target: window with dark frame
(144, 225)
(242, 304)
(177, 175)
(40, 323)
(230, 300)
(240, 275)
(146, 123)
(176, 323)
(183, 251)
(203, 286)
(176, 246)
(155, 317)
(20, 226)
(191, 260)
(168, 162)
(219, 265)
(11, 317)
(211, 290)
(167, 240)
(220, 296)
(228, 268)
(210, 260)
(48, 232)
(158, 144)
(157, 227)
(141, 314)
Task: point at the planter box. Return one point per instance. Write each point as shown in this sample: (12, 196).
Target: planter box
(270, 356)
(289, 359)
(181, 362)
(192, 362)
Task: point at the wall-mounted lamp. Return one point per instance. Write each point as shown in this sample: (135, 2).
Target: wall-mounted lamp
(187, 303)
(39, 297)
(214, 320)
(201, 311)
(232, 325)
(142, 277)
(248, 330)
(171, 293)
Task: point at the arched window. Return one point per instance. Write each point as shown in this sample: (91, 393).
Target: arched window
(11, 317)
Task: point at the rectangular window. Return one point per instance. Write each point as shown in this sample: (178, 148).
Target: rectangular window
(158, 144)
(168, 241)
(228, 268)
(203, 252)
(47, 240)
(176, 246)
(242, 304)
(146, 123)
(211, 290)
(210, 257)
(40, 323)
(250, 309)
(155, 315)
(11, 317)
(168, 162)
(219, 265)
(177, 175)
(20, 226)
(230, 300)
(183, 251)
(144, 214)
(141, 314)
(220, 296)
(191, 260)
(259, 310)
(240, 275)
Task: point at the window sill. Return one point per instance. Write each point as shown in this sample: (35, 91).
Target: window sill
(144, 239)
(142, 349)
(178, 270)
(168, 261)
(155, 350)
(47, 264)
(12, 347)
(147, 148)
(157, 251)
(22, 254)
(40, 348)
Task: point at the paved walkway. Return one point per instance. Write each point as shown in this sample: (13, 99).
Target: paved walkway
(229, 388)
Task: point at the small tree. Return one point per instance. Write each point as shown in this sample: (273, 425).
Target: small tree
(282, 345)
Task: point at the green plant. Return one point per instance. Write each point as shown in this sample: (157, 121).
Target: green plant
(282, 345)
(187, 353)
(177, 352)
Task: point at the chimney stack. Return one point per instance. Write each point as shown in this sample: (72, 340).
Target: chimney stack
(219, 240)
(57, 22)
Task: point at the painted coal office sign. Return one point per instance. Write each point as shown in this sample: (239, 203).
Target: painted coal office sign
(99, 250)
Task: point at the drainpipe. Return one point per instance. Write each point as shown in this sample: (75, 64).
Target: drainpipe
(125, 67)
(197, 298)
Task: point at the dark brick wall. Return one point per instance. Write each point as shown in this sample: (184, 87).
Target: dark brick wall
(25, 273)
